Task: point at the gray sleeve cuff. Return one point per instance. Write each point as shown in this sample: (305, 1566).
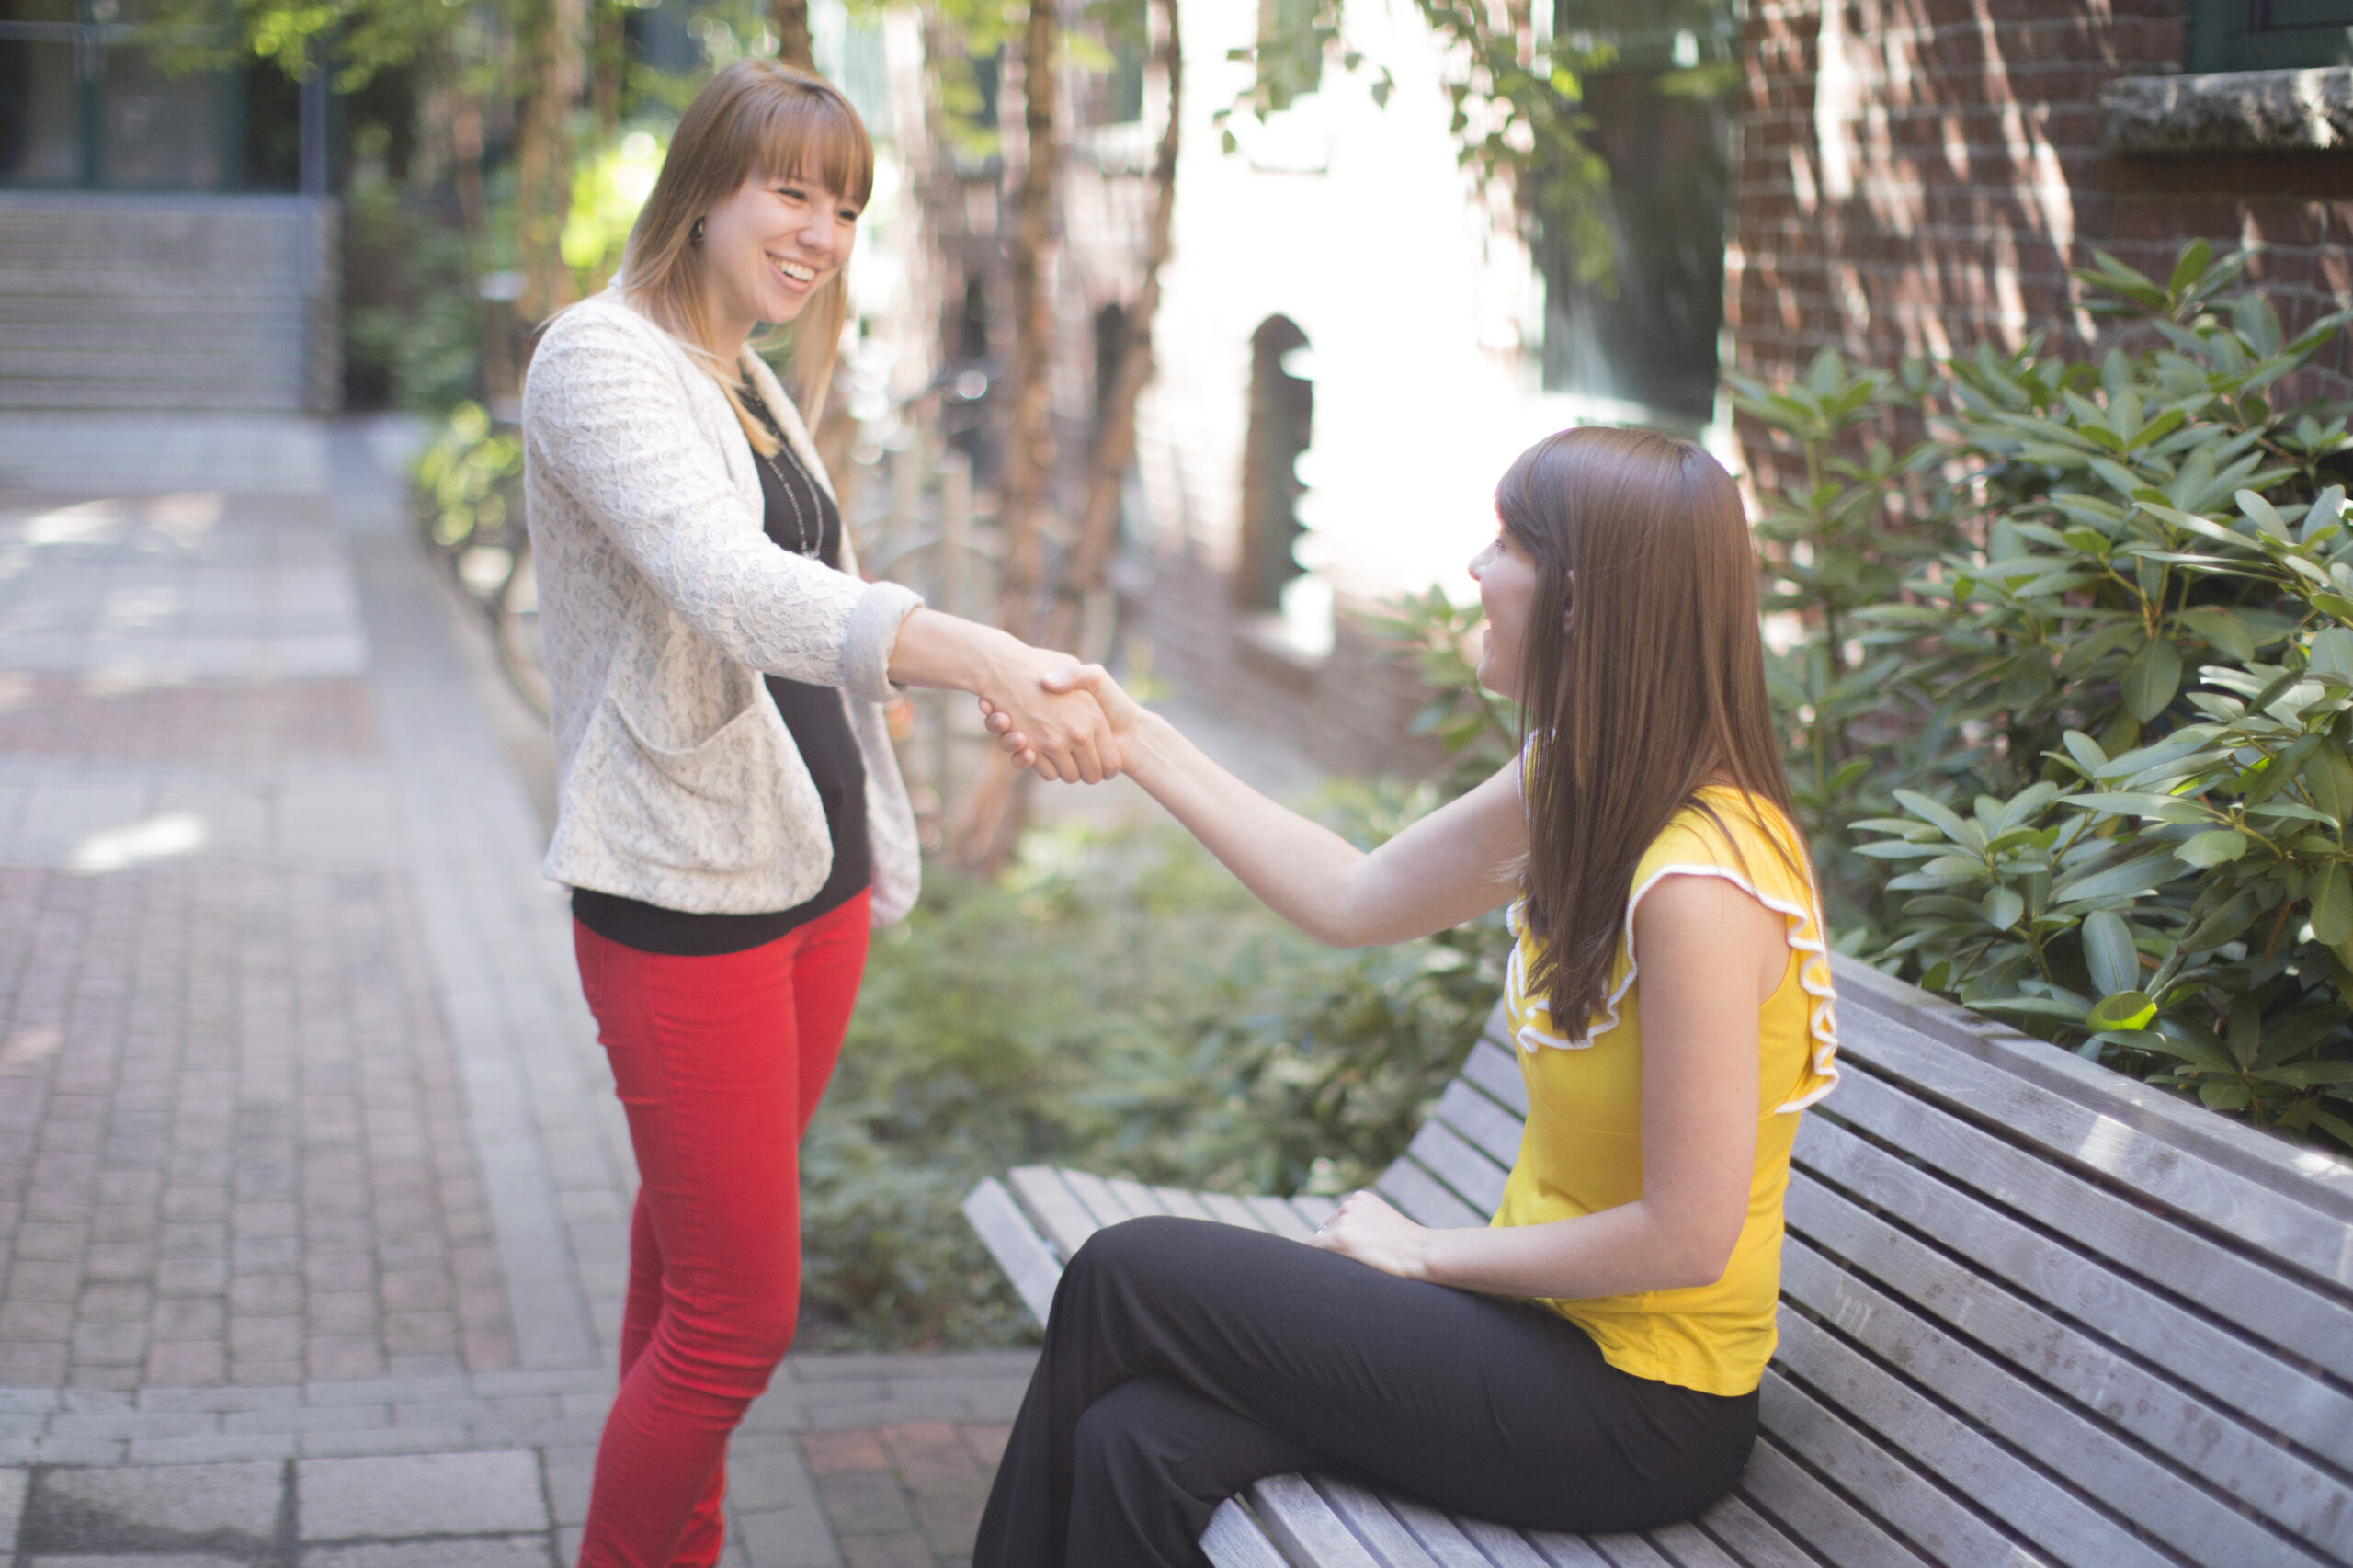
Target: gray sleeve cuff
(873, 633)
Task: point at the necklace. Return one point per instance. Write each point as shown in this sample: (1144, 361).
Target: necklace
(802, 543)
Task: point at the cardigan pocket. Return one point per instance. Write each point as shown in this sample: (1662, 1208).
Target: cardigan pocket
(727, 804)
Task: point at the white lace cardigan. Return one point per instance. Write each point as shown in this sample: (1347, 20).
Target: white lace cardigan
(661, 601)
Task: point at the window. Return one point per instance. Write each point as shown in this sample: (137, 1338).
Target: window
(81, 104)
(1282, 422)
(2268, 35)
(1645, 334)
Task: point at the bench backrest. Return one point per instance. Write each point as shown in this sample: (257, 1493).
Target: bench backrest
(2032, 1311)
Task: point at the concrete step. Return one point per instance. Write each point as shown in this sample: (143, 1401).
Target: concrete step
(224, 359)
(213, 395)
(127, 301)
(67, 285)
(103, 336)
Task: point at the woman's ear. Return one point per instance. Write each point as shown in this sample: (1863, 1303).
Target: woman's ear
(1568, 599)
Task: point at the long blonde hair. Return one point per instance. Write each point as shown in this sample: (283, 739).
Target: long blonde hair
(755, 119)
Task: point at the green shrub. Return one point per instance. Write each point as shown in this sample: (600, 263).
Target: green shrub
(1118, 1002)
(2091, 767)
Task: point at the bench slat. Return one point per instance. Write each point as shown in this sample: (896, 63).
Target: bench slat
(1440, 1536)
(1057, 1210)
(1183, 1204)
(1930, 1438)
(2265, 1302)
(1566, 1550)
(1228, 1210)
(1477, 1179)
(2301, 1173)
(1686, 1545)
(1835, 1530)
(1314, 1208)
(1234, 1540)
(1420, 1198)
(1298, 1520)
(1096, 1193)
(1937, 1525)
(2173, 1421)
(2188, 1518)
(1750, 1538)
(1504, 1547)
(1018, 1249)
(2304, 1234)
(1495, 1068)
(1136, 1198)
(1280, 1218)
(1381, 1532)
(1485, 1125)
(1628, 1551)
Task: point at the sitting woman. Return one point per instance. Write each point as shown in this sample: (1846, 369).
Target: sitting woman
(1589, 1360)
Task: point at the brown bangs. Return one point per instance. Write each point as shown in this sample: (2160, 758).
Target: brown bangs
(817, 137)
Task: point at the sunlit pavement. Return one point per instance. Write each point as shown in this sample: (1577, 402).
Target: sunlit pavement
(311, 1181)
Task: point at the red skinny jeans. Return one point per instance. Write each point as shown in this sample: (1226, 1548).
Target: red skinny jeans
(720, 1062)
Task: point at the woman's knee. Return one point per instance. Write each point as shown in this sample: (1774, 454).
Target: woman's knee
(733, 1339)
(1132, 1246)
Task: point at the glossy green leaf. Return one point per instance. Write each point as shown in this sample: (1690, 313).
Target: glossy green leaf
(2333, 906)
(2152, 680)
(2002, 908)
(2214, 847)
(2123, 1010)
(2109, 953)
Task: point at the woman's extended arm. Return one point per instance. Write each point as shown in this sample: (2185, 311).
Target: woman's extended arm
(1459, 861)
(1709, 955)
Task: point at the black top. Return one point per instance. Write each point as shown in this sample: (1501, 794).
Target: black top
(799, 516)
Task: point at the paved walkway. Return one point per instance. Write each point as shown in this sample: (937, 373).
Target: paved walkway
(312, 1184)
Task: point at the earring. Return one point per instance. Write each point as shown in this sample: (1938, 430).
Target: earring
(694, 235)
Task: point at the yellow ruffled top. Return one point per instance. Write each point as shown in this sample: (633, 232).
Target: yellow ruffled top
(1581, 1151)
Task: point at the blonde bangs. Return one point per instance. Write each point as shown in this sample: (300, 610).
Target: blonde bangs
(817, 137)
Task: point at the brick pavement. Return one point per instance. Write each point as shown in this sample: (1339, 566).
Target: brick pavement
(312, 1184)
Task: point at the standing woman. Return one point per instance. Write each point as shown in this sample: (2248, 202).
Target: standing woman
(1589, 1360)
(729, 815)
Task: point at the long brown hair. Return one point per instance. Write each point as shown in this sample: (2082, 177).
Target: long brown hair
(1641, 679)
(758, 119)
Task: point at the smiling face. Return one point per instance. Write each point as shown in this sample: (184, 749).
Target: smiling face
(769, 246)
(1505, 574)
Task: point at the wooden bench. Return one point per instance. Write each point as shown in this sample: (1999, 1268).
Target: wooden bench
(2032, 1313)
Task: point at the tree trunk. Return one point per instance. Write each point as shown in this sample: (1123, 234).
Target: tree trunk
(1029, 437)
(1115, 444)
(554, 43)
(996, 807)
(792, 20)
(611, 60)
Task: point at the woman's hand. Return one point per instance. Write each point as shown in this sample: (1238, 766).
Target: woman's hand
(1122, 712)
(1045, 721)
(1366, 1228)
(1064, 731)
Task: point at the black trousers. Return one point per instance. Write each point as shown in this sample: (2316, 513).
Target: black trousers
(1184, 1360)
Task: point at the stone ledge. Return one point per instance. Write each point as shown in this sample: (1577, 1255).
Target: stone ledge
(2230, 112)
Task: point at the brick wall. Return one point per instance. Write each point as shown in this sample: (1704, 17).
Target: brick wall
(1917, 176)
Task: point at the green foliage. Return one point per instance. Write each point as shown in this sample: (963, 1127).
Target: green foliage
(2124, 637)
(423, 341)
(1118, 1002)
(468, 482)
(1479, 730)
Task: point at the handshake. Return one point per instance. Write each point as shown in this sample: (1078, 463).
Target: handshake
(1070, 722)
